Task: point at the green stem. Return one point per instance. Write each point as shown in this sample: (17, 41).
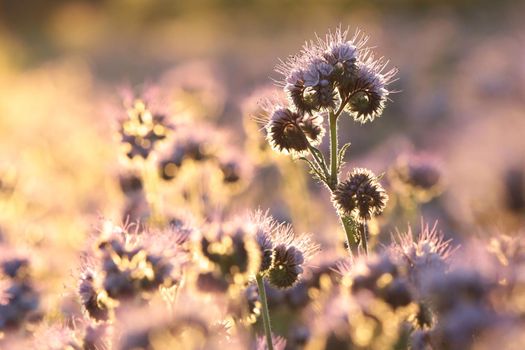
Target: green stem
(265, 312)
(350, 228)
(364, 238)
(349, 225)
(333, 150)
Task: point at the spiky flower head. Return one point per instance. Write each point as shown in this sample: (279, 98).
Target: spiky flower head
(286, 266)
(291, 132)
(337, 70)
(284, 254)
(126, 264)
(360, 195)
(368, 92)
(312, 76)
(94, 299)
(427, 252)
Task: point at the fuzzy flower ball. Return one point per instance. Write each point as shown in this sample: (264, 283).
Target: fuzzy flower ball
(290, 132)
(360, 195)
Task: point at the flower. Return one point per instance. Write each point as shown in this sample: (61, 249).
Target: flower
(283, 253)
(311, 78)
(418, 175)
(368, 91)
(19, 299)
(360, 195)
(231, 251)
(427, 252)
(142, 129)
(286, 266)
(284, 132)
(125, 264)
(335, 69)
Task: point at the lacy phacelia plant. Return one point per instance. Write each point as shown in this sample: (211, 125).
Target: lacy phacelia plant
(327, 79)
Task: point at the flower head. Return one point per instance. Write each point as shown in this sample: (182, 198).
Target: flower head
(337, 70)
(428, 251)
(417, 175)
(142, 129)
(368, 91)
(286, 266)
(231, 252)
(312, 77)
(125, 264)
(360, 195)
(19, 299)
(290, 132)
(283, 253)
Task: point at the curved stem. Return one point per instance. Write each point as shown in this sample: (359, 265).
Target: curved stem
(265, 312)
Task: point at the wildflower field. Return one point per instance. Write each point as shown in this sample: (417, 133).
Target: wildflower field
(262, 175)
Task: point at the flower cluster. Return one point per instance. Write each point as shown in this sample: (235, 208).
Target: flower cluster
(284, 253)
(337, 70)
(238, 250)
(142, 130)
(129, 265)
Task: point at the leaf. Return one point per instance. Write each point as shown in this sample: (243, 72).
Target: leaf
(341, 156)
(314, 170)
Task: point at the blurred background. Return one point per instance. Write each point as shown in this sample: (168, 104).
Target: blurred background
(460, 102)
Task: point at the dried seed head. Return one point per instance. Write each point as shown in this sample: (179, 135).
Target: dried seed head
(360, 195)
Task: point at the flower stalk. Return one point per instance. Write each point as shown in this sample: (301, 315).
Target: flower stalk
(265, 311)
